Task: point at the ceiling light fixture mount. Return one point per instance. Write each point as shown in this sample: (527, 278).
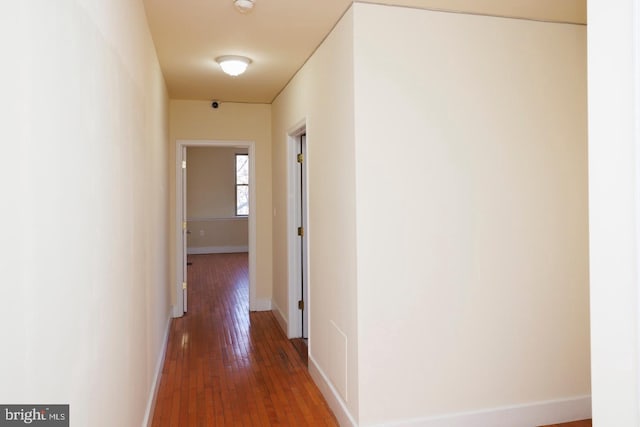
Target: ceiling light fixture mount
(243, 6)
(233, 65)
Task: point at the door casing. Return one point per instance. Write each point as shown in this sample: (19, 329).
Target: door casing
(295, 263)
(180, 257)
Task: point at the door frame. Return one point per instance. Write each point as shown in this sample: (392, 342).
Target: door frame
(294, 324)
(183, 144)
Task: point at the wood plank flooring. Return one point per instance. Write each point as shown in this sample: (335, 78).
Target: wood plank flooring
(225, 366)
(583, 423)
(303, 351)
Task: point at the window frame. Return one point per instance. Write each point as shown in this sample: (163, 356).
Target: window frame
(237, 185)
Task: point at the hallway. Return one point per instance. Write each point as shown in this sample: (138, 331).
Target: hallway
(225, 366)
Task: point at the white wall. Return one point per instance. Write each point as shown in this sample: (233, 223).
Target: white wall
(614, 167)
(322, 95)
(469, 212)
(471, 201)
(85, 285)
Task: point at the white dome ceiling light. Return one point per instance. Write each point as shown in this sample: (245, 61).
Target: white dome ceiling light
(243, 6)
(233, 65)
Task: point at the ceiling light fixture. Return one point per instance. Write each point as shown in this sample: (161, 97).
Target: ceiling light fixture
(243, 6)
(233, 65)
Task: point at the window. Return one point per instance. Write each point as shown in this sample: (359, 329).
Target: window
(242, 184)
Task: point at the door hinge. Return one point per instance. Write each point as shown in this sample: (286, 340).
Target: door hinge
(300, 158)
(184, 164)
(301, 305)
(184, 225)
(184, 285)
(300, 231)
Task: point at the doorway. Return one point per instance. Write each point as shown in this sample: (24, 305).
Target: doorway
(181, 222)
(299, 295)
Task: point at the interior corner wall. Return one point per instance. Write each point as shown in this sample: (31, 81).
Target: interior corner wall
(321, 95)
(196, 120)
(471, 187)
(88, 308)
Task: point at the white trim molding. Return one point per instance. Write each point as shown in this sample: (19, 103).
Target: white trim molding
(217, 250)
(331, 395)
(636, 137)
(525, 415)
(636, 143)
(261, 304)
(531, 414)
(282, 321)
(155, 385)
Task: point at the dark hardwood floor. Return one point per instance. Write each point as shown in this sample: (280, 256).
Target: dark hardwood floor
(227, 367)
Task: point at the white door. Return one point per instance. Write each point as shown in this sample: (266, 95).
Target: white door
(183, 265)
(302, 233)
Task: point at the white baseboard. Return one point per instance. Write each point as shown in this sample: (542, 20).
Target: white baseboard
(153, 392)
(331, 395)
(217, 250)
(261, 304)
(528, 415)
(177, 311)
(277, 313)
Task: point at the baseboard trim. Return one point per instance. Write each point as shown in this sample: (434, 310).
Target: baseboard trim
(153, 393)
(331, 395)
(533, 414)
(261, 304)
(177, 311)
(217, 250)
(282, 322)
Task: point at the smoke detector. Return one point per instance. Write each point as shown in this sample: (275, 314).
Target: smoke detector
(243, 6)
